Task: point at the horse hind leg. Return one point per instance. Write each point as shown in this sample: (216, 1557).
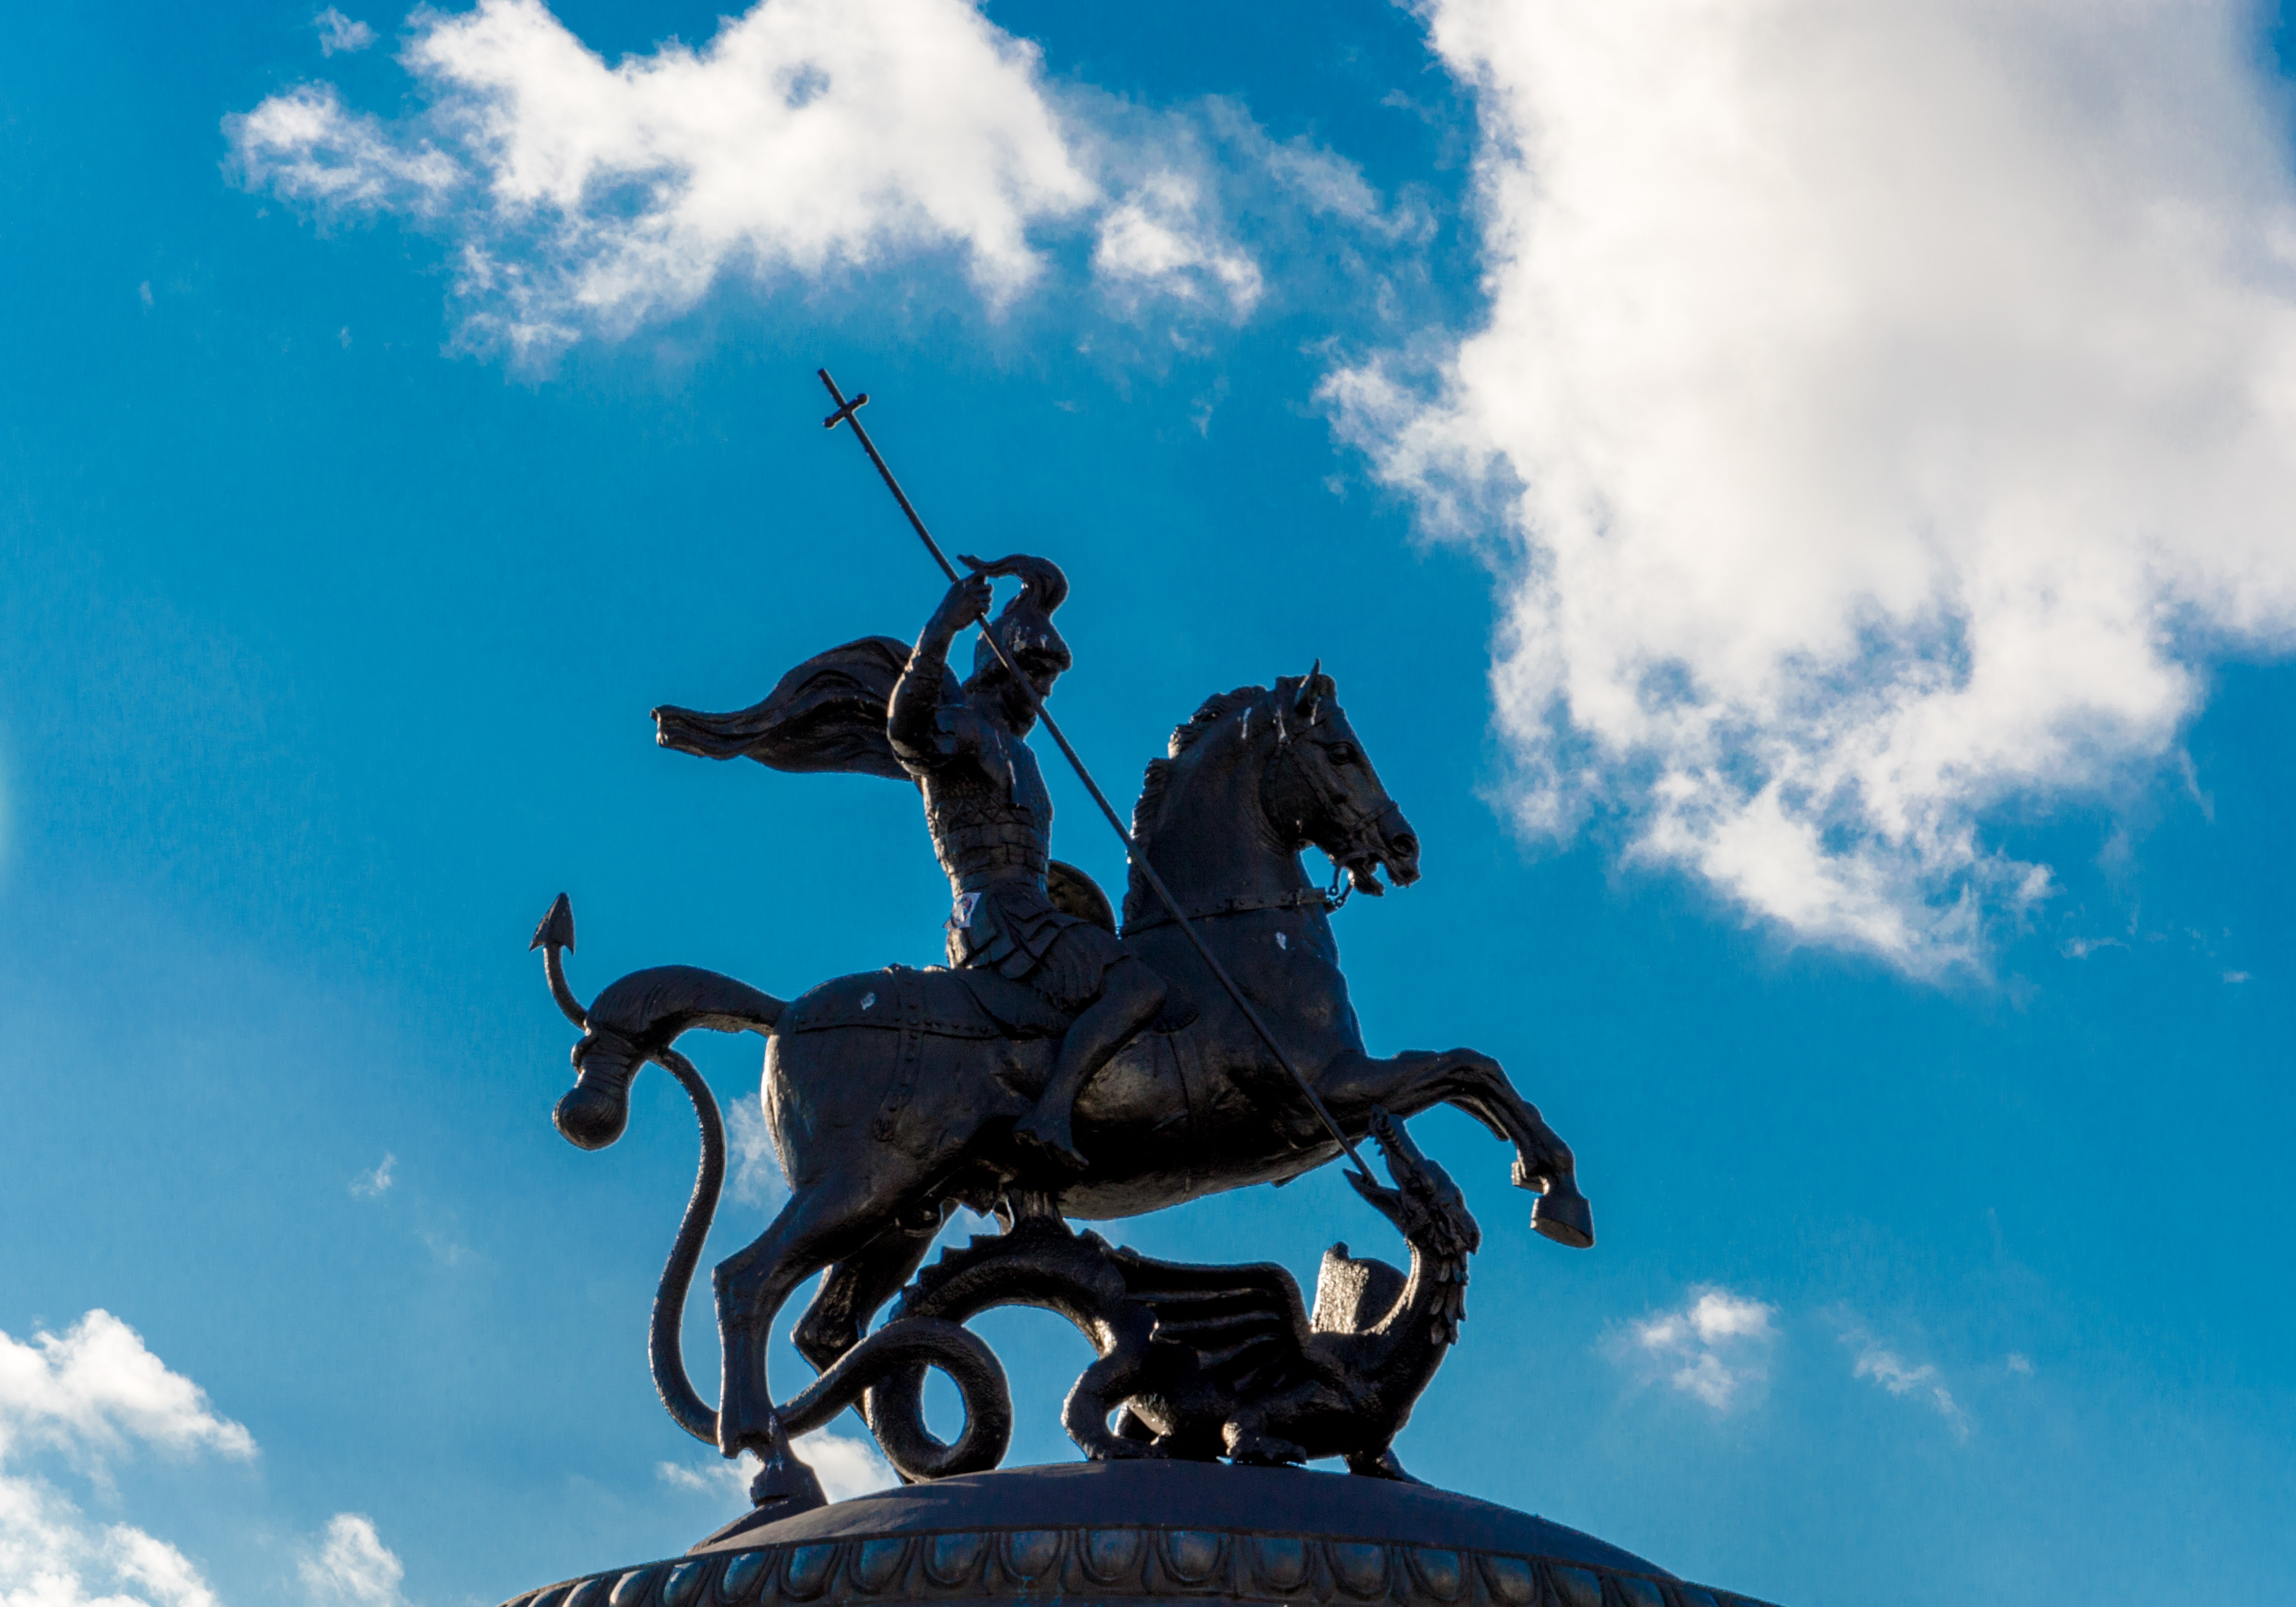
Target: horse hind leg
(854, 1289)
(830, 1222)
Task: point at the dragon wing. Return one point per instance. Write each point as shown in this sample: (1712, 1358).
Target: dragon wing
(1241, 1322)
(827, 714)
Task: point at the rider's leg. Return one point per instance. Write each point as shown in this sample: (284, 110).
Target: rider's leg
(1131, 993)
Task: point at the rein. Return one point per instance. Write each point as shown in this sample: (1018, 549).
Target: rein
(1358, 827)
(1306, 897)
(1358, 830)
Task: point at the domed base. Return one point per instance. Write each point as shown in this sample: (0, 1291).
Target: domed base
(1111, 1531)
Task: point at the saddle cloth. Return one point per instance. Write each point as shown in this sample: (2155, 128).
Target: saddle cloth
(978, 1003)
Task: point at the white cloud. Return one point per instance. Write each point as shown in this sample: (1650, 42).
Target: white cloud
(808, 135)
(351, 1567)
(847, 1467)
(95, 1388)
(1891, 1371)
(1714, 1348)
(810, 140)
(168, 1574)
(305, 146)
(757, 1169)
(374, 1185)
(91, 1395)
(338, 32)
(1882, 409)
(1162, 240)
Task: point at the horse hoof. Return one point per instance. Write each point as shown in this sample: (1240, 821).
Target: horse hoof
(786, 1485)
(1565, 1218)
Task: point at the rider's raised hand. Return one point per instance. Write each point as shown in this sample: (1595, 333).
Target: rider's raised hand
(967, 601)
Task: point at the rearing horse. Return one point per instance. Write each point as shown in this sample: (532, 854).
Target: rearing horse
(892, 1094)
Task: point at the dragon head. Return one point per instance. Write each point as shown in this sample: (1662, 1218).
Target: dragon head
(1426, 1207)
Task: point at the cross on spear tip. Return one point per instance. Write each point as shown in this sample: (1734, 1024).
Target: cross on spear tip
(848, 413)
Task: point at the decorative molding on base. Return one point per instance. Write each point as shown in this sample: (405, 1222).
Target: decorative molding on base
(1102, 1563)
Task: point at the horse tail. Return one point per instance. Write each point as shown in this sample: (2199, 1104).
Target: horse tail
(666, 1352)
(903, 1349)
(633, 1021)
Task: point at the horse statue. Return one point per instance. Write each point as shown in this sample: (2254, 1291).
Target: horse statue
(892, 1095)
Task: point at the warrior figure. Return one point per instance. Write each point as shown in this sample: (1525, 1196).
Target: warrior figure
(876, 708)
(992, 822)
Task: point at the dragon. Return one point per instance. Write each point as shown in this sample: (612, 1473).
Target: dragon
(1204, 1362)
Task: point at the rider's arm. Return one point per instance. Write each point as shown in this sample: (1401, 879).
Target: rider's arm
(924, 731)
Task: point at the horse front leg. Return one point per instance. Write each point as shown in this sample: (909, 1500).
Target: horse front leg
(1418, 1079)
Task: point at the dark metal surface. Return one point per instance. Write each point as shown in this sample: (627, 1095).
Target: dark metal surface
(1198, 1496)
(1149, 1531)
(1143, 870)
(1061, 1071)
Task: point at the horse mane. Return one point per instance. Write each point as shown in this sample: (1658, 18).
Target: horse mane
(1209, 713)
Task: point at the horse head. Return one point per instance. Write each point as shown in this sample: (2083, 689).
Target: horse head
(1321, 788)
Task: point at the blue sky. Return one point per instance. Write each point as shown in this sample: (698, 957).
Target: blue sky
(1790, 493)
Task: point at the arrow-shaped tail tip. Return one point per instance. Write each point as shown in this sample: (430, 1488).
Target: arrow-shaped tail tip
(557, 927)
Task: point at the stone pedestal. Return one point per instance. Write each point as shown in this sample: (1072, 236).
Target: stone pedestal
(1122, 1531)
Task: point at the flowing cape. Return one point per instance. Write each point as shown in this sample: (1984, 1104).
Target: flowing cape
(827, 714)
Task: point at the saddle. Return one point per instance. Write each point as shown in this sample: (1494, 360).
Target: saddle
(940, 1003)
(980, 1002)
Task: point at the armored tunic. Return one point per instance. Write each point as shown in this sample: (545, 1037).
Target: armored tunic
(991, 821)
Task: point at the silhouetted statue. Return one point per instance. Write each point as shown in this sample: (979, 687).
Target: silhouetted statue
(1057, 1071)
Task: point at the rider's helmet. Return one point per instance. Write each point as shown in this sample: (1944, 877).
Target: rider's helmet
(1026, 627)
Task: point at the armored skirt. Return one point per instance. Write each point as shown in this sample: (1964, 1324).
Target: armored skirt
(1013, 927)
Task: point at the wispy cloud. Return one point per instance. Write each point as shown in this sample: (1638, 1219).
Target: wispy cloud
(1906, 1381)
(847, 1467)
(1715, 1348)
(350, 1566)
(374, 1185)
(338, 32)
(1160, 239)
(446, 1248)
(807, 135)
(305, 146)
(93, 1395)
(1880, 413)
(758, 1178)
(810, 140)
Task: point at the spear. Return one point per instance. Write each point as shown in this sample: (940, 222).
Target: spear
(850, 412)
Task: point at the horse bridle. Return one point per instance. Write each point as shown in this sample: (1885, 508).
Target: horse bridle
(1358, 827)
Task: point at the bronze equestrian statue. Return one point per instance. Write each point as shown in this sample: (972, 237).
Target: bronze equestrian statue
(894, 1096)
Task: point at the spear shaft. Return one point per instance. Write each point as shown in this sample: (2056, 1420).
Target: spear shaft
(848, 413)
